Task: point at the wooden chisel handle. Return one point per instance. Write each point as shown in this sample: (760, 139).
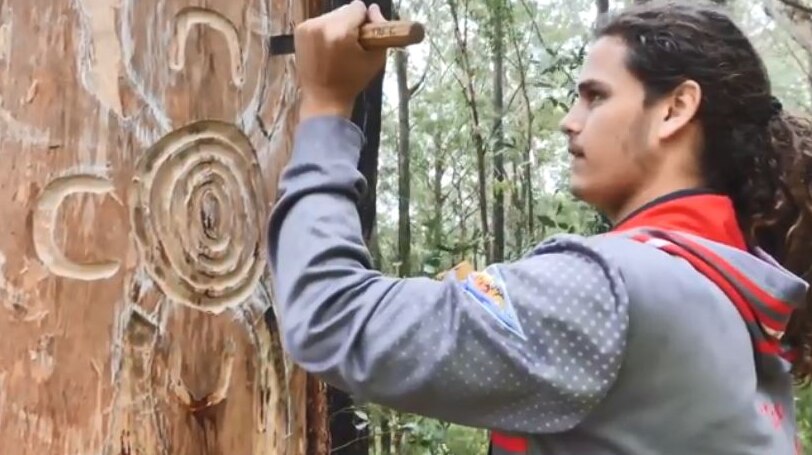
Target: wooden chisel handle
(391, 34)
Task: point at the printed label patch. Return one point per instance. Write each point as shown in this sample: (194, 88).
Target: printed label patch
(488, 288)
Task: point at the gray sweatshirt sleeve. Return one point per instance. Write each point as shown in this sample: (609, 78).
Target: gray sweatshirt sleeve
(529, 346)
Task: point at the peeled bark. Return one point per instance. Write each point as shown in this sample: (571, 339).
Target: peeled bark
(142, 144)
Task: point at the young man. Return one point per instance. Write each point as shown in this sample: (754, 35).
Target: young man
(665, 336)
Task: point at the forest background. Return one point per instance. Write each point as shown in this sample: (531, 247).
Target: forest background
(473, 166)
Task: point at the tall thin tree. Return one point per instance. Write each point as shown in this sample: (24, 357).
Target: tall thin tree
(497, 10)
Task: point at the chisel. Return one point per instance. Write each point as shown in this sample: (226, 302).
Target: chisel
(372, 36)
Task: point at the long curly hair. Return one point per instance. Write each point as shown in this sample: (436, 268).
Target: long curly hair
(754, 151)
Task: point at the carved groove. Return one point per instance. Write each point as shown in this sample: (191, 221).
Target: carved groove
(44, 226)
(186, 397)
(191, 16)
(197, 206)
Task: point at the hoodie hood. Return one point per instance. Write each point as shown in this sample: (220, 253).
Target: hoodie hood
(702, 229)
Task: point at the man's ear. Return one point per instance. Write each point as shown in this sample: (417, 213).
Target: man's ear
(679, 108)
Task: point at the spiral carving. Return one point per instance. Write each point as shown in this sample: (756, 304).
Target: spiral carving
(197, 210)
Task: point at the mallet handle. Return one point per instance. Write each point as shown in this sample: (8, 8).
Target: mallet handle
(391, 34)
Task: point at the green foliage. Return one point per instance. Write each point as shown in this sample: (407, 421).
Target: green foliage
(429, 436)
(451, 73)
(803, 403)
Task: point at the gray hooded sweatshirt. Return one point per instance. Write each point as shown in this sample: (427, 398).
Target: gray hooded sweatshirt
(653, 339)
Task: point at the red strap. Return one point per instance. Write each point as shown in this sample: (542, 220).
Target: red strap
(509, 443)
(762, 344)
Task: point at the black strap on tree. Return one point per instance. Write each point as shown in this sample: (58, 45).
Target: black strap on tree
(346, 438)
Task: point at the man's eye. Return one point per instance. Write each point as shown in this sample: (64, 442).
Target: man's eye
(593, 96)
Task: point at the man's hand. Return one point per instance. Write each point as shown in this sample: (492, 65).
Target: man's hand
(332, 66)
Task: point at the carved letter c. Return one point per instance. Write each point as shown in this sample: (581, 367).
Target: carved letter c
(45, 219)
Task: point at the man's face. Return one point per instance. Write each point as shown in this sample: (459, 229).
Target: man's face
(609, 130)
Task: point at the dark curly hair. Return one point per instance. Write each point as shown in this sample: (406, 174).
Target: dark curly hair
(755, 152)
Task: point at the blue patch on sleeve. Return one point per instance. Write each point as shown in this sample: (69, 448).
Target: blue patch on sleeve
(489, 289)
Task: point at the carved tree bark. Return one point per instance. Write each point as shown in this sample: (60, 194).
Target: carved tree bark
(142, 144)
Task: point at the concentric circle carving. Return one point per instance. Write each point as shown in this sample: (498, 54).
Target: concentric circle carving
(197, 209)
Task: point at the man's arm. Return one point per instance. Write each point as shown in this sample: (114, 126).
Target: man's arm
(529, 346)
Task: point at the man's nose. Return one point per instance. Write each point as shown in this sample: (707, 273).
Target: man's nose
(569, 125)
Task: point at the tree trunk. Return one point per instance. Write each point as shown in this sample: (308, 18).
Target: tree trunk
(469, 93)
(517, 199)
(809, 73)
(143, 142)
(404, 174)
(642, 2)
(437, 193)
(527, 165)
(603, 12)
(498, 254)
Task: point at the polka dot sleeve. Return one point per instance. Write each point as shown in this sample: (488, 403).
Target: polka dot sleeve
(536, 361)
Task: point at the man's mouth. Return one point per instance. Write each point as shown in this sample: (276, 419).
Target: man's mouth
(576, 152)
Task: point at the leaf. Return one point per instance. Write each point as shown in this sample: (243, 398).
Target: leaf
(547, 221)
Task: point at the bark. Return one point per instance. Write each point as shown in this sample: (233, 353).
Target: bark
(498, 253)
(143, 142)
(404, 174)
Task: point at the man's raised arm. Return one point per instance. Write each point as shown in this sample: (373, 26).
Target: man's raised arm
(529, 346)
